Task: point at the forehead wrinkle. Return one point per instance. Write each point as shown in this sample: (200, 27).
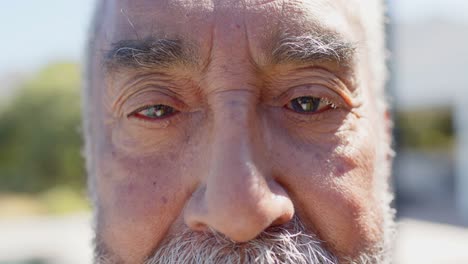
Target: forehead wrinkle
(230, 50)
(169, 20)
(283, 21)
(286, 30)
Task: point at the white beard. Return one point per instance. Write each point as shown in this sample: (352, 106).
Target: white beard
(284, 244)
(287, 244)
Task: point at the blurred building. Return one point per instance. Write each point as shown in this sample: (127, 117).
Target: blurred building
(430, 73)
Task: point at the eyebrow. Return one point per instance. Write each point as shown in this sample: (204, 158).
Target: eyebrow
(313, 47)
(148, 53)
(154, 53)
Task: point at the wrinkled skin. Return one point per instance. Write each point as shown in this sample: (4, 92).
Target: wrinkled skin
(233, 158)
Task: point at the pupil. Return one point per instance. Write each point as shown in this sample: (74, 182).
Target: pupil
(158, 111)
(306, 104)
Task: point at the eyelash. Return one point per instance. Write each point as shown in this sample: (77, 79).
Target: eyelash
(325, 98)
(326, 95)
(160, 123)
(132, 114)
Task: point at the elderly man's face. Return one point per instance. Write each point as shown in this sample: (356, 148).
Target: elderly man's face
(242, 131)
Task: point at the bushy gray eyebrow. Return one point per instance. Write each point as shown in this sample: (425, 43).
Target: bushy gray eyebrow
(154, 53)
(324, 46)
(147, 53)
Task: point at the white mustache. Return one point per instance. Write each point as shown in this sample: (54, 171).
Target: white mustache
(277, 245)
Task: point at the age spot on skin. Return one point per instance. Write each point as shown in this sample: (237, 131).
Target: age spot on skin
(340, 169)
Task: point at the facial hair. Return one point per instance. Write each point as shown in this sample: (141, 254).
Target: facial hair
(288, 243)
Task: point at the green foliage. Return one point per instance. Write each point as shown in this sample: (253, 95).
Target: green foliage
(40, 140)
(425, 129)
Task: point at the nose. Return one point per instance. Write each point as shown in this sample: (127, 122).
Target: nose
(237, 197)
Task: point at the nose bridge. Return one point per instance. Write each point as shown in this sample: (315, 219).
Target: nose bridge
(236, 148)
(235, 119)
(238, 197)
(236, 187)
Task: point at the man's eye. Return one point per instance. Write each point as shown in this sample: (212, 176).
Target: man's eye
(155, 112)
(309, 105)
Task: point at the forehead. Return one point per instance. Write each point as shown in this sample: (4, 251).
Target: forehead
(195, 20)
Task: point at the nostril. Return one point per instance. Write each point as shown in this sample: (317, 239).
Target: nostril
(283, 219)
(198, 226)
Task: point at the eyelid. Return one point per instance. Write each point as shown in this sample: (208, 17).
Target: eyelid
(149, 106)
(313, 90)
(307, 118)
(156, 123)
(147, 98)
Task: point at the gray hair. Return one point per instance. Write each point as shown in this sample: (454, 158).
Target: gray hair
(286, 244)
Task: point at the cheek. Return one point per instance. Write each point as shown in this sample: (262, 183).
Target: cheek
(145, 138)
(331, 182)
(139, 185)
(137, 140)
(137, 202)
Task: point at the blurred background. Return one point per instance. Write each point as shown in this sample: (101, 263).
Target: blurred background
(45, 215)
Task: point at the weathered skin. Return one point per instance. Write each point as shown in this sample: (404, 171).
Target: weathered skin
(234, 158)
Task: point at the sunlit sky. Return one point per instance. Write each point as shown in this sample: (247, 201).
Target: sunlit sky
(36, 32)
